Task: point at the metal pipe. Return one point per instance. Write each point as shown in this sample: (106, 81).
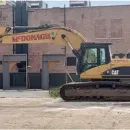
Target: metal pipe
(13, 8)
(25, 27)
(32, 27)
(64, 16)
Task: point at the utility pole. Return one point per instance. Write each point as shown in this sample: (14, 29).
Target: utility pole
(13, 10)
(65, 45)
(64, 16)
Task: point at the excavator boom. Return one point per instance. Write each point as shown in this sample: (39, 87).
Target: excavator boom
(43, 34)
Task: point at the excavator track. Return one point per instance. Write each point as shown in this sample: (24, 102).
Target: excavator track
(96, 91)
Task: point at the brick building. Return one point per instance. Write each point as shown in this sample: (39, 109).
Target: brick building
(5, 19)
(99, 24)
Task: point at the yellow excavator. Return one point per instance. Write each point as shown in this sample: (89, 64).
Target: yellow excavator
(102, 75)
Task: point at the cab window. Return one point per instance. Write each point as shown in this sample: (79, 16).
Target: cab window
(102, 56)
(90, 55)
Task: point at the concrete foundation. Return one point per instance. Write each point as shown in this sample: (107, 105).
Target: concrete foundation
(7, 59)
(45, 70)
(6, 73)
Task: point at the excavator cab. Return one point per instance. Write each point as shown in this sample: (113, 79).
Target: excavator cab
(92, 55)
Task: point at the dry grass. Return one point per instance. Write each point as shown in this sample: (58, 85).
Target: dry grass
(54, 92)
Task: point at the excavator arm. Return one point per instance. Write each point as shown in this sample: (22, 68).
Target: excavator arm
(43, 34)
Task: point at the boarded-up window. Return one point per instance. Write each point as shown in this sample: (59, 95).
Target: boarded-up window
(116, 28)
(100, 28)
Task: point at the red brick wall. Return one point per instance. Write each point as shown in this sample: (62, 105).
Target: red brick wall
(5, 19)
(99, 24)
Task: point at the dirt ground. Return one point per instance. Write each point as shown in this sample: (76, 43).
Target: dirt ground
(36, 110)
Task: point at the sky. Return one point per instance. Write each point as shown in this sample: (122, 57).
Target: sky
(93, 3)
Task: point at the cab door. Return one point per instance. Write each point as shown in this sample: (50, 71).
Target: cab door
(104, 57)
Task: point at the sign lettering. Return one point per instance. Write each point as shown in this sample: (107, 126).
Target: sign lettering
(31, 37)
(115, 72)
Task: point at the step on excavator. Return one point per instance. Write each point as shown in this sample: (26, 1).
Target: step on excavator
(103, 75)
